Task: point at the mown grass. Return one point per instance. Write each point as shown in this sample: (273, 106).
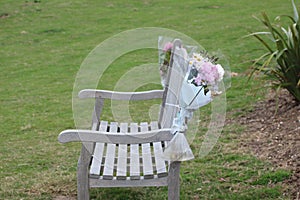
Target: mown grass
(42, 46)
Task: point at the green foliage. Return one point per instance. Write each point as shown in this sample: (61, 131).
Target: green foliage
(285, 50)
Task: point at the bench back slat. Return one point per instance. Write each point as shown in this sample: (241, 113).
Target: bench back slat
(174, 80)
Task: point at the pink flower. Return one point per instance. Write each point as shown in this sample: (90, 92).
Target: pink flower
(209, 73)
(168, 46)
(198, 79)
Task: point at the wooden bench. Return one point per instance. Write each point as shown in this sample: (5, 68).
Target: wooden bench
(117, 154)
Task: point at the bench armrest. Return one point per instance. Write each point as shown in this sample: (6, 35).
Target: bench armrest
(114, 95)
(75, 135)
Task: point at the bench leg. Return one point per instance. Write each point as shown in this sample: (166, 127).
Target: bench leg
(173, 181)
(83, 175)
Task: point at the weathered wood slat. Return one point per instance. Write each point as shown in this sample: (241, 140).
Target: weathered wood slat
(117, 138)
(146, 155)
(122, 156)
(158, 151)
(134, 156)
(98, 153)
(108, 171)
(172, 89)
(96, 182)
(113, 95)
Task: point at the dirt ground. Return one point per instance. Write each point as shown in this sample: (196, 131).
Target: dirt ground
(273, 134)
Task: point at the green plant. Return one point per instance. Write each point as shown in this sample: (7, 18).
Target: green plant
(285, 50)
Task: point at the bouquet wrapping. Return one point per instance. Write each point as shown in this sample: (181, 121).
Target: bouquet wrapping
(200, 84)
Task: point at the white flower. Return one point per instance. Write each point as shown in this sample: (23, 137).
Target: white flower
(197, 60)
(221, 72)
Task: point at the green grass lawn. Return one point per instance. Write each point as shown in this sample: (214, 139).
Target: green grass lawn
(43, 44)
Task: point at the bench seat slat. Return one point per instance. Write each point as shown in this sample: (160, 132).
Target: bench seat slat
(98, 153)
(146, 155)
(134, 156)
(122, 156)
(108, 171)
(158, 152)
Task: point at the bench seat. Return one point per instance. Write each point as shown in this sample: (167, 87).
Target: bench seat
(122, 163)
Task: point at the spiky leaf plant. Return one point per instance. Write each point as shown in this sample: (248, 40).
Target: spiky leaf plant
(284, 47)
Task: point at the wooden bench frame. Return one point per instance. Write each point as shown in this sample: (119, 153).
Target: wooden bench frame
(121, 155)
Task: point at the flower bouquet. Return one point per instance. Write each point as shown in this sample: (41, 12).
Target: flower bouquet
(201, 81)
(199, 86)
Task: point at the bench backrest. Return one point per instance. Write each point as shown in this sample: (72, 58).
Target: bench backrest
(175, 76)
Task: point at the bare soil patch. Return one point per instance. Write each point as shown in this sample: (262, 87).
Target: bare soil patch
(273, 134)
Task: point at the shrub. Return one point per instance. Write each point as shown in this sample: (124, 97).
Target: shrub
(284, 48)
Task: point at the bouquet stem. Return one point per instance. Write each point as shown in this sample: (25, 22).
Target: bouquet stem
(196, 96)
